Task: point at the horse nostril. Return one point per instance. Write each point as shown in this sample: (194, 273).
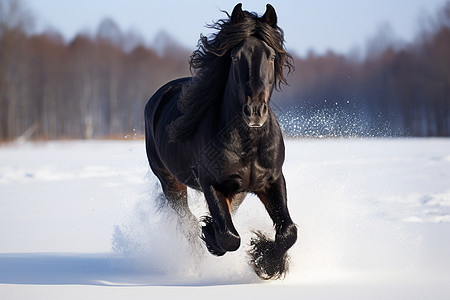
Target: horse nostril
(264, 109)
(246, 110)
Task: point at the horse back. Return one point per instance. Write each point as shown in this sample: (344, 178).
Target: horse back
(165, 96)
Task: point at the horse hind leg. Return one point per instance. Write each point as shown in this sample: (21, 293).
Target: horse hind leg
(176, 195)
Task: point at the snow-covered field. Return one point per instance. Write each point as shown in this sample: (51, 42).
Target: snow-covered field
(79, 220)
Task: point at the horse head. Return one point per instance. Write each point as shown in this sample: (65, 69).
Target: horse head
(252, 74)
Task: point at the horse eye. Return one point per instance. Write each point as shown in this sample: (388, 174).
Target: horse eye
(234, 59)
(272, 58)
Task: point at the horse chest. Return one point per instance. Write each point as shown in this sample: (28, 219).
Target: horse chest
(255, 177)
(245, 176)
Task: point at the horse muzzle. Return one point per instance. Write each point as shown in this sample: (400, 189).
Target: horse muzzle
(255, 114)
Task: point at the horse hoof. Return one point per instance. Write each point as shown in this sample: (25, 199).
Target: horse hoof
(266, 259)
(209, 237)
(229, 241)
(218, 243)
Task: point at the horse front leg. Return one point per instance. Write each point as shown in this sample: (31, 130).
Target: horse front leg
(269, 258)
(218, 230)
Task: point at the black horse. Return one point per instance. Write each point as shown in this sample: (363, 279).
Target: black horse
(215, 132)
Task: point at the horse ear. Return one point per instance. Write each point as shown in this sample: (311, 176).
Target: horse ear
(270, 16)
(237, 15)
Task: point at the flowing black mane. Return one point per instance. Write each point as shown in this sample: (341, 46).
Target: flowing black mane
(210, 65)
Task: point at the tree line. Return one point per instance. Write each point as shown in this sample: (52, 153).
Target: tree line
(89, 87)
(96, 85)
(403, 91)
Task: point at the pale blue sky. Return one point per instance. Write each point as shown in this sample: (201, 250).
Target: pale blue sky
(343, 25)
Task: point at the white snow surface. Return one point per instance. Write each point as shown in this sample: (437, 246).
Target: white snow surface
(81, 220)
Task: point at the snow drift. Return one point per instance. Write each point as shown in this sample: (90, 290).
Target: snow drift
(373, 215)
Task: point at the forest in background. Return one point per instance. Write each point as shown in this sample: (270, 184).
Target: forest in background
(96, 85)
